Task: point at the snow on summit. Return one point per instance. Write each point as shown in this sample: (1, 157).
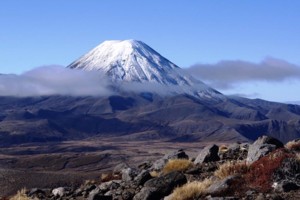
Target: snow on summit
(130, 60)
(135, 61)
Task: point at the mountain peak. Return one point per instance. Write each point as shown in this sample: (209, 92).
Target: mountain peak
(135, 61)
(122, 45)
(129, 60)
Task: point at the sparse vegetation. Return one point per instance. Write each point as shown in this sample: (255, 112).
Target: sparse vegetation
(297, 156)
(154, 173)
(21, 195)
(231, 168)
(260, 173)
(89, 182)
(110, 176)
(177, 165)
(279, 168)
(293, 145)
(192, 190)
(223, 149)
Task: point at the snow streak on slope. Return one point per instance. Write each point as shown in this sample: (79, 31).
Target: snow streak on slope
(133, 61)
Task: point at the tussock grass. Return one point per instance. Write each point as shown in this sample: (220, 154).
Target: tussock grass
(154, 174)
(192, 190)
(223, 149)
(177, 165)
(297, 156)
(231, 168)
(293, 145)
(109, 177)
(89, 182)
(21, 195)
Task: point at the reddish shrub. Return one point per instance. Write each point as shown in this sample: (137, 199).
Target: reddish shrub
(260, 174)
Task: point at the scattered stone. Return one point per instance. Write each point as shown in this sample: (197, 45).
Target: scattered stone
(260, 196)
(234, 151)
(142, 177)
(94, 194)
(145, 165)
(110, 185)
(118, 169)
(285, 186)
(208, 154)
(147, 193)
(289, 171)
(221, 188)
(128, 194)
(274, 197)
(209, 197)
(35, 191)
(78, 192)
(128, 174)
(160, 187)
(250, 193)
(115, 185)
(58, 192)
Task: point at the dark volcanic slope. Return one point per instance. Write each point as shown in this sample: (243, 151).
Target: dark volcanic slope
(144, 116)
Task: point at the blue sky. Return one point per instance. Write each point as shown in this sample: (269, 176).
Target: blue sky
(35, 33)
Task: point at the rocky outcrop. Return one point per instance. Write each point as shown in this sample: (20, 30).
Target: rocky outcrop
(261, 147)
(235, 151)
(208, 154)
(231, 182)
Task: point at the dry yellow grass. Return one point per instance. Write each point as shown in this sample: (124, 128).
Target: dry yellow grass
(231, 168)
(298, 156)
(177, 165)
(21, 195)
(223, 149)
(192, 190)
(154, 174)
(293, 145)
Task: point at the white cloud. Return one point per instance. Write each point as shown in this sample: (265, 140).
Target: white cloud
(54, 80)
(227, 74)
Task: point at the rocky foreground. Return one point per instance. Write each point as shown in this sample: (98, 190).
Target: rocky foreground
(266, 169)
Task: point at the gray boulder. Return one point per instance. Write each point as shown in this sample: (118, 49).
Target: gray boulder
(35, 191)
(94, 194)
(118, 169)
(147, 193)
(208, 154)
(58, 192)
(220, 188)
(159, 164)
(104, 187)
(285, 186)
(128, 174)
(287, 176)
(109, 185)
(128, 194)
(142, 177)
(261, 147)
(160, 187)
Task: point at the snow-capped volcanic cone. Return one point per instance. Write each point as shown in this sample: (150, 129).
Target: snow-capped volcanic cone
(134, 61)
